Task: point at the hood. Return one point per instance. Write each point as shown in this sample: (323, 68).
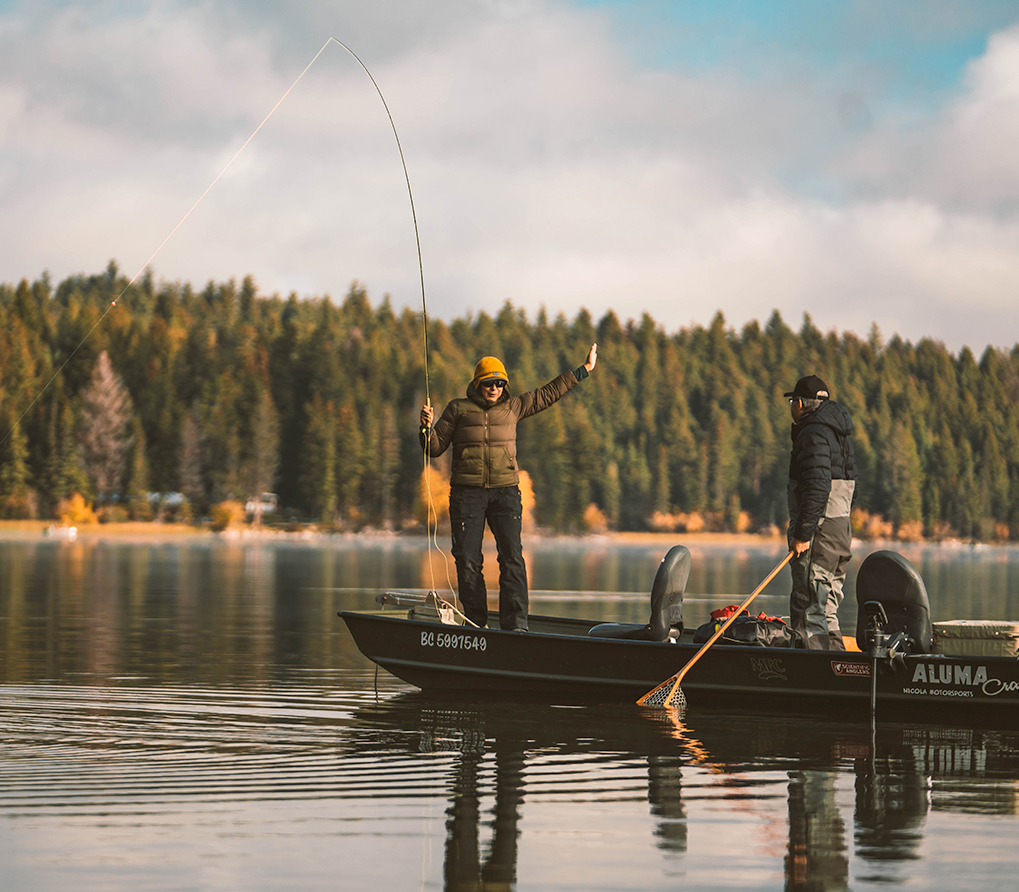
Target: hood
(474, 395)
(831, 414)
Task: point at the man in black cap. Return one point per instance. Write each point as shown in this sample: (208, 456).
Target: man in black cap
(822, 489)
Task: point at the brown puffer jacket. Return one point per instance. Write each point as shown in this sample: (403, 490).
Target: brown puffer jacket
(484, 438)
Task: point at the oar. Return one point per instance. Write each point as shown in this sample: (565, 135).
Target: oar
(669, 691)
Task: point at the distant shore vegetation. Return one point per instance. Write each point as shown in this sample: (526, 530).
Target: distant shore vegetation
(224, 407)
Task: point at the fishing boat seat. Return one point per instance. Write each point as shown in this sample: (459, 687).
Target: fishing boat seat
(892, 581)
(666, 619)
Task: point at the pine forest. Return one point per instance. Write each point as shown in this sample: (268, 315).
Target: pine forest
(173, 403)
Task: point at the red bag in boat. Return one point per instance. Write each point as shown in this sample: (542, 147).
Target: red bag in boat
(723, 613)
(761, 630)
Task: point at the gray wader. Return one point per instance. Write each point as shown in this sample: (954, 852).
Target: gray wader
(820, 572)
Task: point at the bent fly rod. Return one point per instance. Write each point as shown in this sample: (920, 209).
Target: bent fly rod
(208, 189)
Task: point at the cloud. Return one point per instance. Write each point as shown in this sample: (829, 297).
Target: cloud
(548, 169)
(960, 157)
(976, 164)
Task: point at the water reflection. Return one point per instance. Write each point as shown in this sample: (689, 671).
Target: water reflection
(665, 796)
(196, 611)
(198, 608)
(209, 687)
(465, 866)
(504, 750)
(817, 850)
(845, 797)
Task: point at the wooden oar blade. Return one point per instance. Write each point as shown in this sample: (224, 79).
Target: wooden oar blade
(667, 694)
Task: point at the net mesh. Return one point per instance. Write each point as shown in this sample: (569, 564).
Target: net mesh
(667, 694)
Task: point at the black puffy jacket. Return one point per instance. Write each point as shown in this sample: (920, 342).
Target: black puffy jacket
(822, 452)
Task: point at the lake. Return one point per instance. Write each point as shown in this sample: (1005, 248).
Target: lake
(192, 715)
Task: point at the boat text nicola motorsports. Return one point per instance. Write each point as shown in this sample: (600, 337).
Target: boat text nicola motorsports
(955, 680)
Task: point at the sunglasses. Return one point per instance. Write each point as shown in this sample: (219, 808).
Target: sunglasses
(497, 384)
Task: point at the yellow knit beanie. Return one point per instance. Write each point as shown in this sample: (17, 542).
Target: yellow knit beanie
(489, 367)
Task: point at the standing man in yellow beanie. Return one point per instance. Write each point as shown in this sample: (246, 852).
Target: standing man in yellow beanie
(482, 428)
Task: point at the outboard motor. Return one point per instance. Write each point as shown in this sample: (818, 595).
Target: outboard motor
(666, 603)
(894, 611)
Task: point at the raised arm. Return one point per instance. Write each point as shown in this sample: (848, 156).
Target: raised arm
(540, 399)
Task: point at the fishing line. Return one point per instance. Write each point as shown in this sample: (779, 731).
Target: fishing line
(219, 176)
(431, 530)
(417, 240)
(173, 231)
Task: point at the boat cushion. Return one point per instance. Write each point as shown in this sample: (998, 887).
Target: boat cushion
(977, 638)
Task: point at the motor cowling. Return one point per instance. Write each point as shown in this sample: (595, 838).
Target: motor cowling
(888, 580)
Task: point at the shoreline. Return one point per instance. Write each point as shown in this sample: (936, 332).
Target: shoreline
(147, 530)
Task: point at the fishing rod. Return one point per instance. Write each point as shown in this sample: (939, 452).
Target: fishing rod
(417, 238)
(431, 518)
(431, 529)
(201, 198)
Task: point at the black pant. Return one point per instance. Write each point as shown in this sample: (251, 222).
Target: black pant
(469, 508)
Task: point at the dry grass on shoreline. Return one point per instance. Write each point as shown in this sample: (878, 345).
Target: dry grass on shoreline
(130, 528)
(174, 530)
(151, 530)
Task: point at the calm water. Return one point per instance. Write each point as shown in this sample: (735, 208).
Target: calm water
(193, 715)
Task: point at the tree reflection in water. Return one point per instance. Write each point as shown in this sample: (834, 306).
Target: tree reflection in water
(817, 834)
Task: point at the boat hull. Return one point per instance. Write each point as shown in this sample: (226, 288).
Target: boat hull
(558, 661)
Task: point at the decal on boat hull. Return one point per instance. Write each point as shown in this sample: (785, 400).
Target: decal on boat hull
(765, 668)
(844, 668)
(957, 680)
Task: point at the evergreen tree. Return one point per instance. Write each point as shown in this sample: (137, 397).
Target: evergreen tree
(136, 486)
(261, 465)
(17, 498)
(189, 472)
(388, 467)
(636, 484)
(904, 476)
(543, 451)
(612, 493)
(106, 412)
(318, 479)
(691, 420)
(349, 465)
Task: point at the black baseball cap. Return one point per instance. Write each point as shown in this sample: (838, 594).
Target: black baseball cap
(809, 388)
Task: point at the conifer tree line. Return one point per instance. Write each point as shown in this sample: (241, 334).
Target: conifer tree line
(222, 393)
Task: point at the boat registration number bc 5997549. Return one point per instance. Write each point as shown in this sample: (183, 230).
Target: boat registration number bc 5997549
(453, 640)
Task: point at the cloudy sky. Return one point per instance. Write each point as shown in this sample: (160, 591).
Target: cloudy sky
(854, 159)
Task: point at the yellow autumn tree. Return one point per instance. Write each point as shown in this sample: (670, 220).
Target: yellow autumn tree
(527, 499)
(226, 514)
(595, 520)
(433, 496)
(75, 511)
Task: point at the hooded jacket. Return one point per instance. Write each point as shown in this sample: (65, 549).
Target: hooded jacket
(822, 453)
(484, 438)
